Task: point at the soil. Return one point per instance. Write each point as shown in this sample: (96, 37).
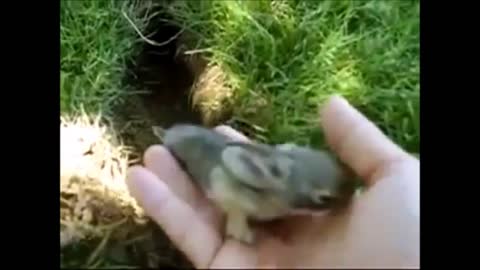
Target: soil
(167, 79)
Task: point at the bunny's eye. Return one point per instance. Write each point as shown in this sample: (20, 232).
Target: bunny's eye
(275, 171)
(322, 196)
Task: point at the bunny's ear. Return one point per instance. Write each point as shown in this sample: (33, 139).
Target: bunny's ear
(256, 165)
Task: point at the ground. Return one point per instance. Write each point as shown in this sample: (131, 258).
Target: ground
(263, 67)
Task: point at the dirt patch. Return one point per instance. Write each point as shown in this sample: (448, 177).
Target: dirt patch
(165, 79)
(176, 86)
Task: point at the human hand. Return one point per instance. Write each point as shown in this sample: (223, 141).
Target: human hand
(380, 228)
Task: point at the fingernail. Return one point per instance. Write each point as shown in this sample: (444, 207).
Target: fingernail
(145, 188)
(154, 153)
(140, 181)
(335, 102)
(133, 174)
(339, 99)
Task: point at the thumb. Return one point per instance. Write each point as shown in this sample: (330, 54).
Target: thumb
(357, 141)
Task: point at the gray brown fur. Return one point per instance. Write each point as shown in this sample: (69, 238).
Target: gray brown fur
(256, 181)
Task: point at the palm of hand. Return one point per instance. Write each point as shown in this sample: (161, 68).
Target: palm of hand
(381, 228)
(197, 228)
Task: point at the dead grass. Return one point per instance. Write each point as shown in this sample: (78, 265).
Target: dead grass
(212, 96)
(93, 193)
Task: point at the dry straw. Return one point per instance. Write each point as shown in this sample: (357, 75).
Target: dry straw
(94, 199)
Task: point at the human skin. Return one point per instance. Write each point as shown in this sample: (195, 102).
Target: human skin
(381, 227)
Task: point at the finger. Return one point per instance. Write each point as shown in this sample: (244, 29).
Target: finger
(235, 254)
(270, 251)
(231, 133)
(192, 235)
(159, 160)
(356, 140)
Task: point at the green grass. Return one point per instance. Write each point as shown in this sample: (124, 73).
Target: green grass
(96, 43)
(295, 54)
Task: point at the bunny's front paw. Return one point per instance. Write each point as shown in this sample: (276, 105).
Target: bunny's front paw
(238, 228)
